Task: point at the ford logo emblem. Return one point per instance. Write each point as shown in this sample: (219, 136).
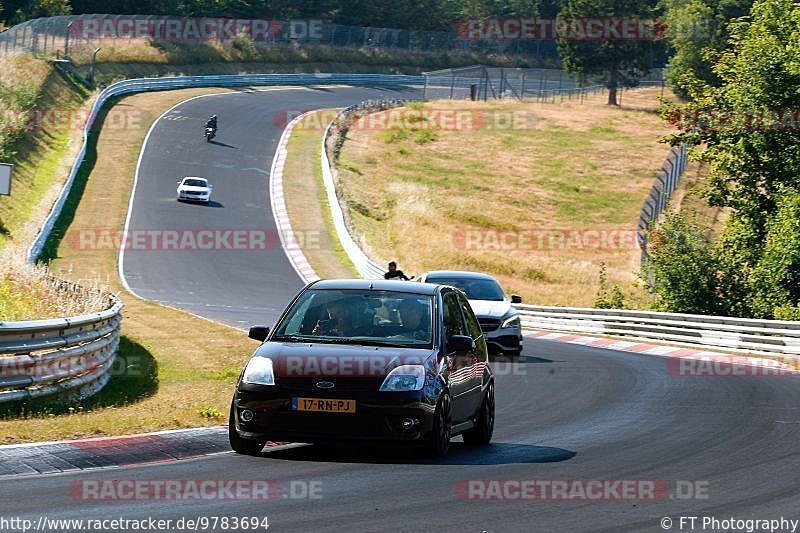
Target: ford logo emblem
(325, 384)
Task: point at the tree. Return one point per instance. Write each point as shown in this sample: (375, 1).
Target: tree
(747, 129)
(749, 125)
(620, 62)
(775, 281)
(32, 9)
(698, 34)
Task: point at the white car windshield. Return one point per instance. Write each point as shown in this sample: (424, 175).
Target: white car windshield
(195, 183)
(356, 316)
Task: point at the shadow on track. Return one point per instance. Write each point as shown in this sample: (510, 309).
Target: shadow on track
(212, 141)
(500, 453)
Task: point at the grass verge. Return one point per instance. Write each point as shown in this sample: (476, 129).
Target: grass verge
(307, 203)
(542, 176)
(48, 143)
(175, 370)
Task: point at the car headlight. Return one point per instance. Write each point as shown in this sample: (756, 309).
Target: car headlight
(405, 378)
(259, 371)
(511, 322)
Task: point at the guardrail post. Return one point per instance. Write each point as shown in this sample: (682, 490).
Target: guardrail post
(66, 40)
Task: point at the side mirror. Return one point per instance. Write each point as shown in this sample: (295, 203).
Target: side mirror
(259, 333)
(460, 344)
(516, 299)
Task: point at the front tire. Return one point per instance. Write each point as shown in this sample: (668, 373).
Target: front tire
(438, 442)
(481, 434)
(239, 444)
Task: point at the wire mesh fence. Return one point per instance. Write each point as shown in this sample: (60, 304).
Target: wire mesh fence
(68, 35)
(479, 82)
(665, 183)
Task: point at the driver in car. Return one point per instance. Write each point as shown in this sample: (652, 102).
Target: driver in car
(340, 323)
(415, 320)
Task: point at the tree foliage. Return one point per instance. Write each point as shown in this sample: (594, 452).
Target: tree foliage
(681, 269)
(746, 128)
(698, 33)
(620, 62)
(433, 15)
(775, 280)
(18, 11)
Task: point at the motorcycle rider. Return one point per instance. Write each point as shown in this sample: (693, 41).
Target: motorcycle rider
(212, 123)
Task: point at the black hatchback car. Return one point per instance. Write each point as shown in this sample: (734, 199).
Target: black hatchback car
(371, 360)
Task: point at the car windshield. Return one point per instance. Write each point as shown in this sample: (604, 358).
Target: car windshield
(195, 183)
(355, 316)
(474, 288)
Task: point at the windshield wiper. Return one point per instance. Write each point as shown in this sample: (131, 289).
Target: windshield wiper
(293, 338)
(369, 342)
(346, 340)
(381, 343)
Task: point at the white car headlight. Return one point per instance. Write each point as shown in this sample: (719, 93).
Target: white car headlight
(259, 371)
(405, 378)
(511, 322)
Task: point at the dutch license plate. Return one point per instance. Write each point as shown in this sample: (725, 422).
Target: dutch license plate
(322, 405)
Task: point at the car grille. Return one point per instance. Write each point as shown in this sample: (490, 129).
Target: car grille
(489, 324)
(193, 193)
(346, 385)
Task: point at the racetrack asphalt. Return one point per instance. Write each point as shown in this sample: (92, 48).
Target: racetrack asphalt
(564, 412)
(239, 287)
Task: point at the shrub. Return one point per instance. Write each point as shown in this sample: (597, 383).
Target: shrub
(681, 270)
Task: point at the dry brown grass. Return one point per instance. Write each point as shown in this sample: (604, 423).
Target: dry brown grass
(198, 361)
(688, 200)
(580, 166)
(199, 52)
(307, 203)
(31, 293)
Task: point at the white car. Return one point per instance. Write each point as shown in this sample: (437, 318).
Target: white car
(194, 189)
(494, 309)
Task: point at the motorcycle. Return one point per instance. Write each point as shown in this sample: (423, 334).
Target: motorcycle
(211, 132)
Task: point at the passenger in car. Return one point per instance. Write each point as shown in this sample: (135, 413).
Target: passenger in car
(415, 323)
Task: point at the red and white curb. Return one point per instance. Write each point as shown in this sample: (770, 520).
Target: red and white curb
(278, 202)
(670, 352)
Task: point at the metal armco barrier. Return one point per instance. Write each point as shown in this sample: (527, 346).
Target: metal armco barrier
(733, 335)
(366, 267)
(182, 82)
(66, 355)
